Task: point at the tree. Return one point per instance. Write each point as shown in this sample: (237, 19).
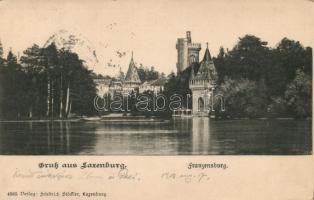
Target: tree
(34, 68)
(13, 88)
(78, 85)
(51, 63)
(220, 64)
(299, 95)
(288, 56)
(147, 74)
(2, 77)
(179, 85)
(241, 98)
(1, 50)
(57, 82)
(248, 59)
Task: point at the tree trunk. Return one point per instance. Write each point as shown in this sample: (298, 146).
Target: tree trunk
(67, 104)
(48, 97)
(61, 99)
(31, 112)
(70, 107)
(52, 99)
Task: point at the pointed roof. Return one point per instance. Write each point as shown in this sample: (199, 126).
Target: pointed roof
(207, 54)
(132, 74)
(207, 70)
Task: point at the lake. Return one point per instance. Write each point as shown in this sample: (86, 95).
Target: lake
(182, 136)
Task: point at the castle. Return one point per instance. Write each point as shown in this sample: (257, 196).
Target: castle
(188, 52)
(202, 82)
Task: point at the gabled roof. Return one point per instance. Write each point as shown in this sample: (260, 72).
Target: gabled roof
(104, 81)
(145, 83)
(132, 75)
(156, 82)
(159, 82)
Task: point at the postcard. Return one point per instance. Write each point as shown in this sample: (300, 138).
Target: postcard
(177, 99)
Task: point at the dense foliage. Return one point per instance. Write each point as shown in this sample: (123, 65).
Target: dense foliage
(148, 74)
(45, 83)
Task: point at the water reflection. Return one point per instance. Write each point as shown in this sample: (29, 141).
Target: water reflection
(200, 135)
(135, 138)
(157, 137)
(44, 138)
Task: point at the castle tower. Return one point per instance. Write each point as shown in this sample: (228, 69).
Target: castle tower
(202, 85)
(188, 52)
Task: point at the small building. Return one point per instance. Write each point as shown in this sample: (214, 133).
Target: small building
(157, 86)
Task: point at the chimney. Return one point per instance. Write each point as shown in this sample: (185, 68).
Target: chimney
(188, 36)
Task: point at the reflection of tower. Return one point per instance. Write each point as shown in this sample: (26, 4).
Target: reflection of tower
(188, 52)
(200, 135)
(202, 85)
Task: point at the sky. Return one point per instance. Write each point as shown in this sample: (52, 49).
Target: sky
(150, 28)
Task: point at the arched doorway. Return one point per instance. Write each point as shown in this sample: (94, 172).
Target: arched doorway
(201, 104)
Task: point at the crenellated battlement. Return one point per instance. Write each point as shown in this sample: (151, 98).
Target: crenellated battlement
(194, 45)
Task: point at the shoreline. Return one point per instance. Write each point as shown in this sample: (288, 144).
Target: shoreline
(139, 119)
